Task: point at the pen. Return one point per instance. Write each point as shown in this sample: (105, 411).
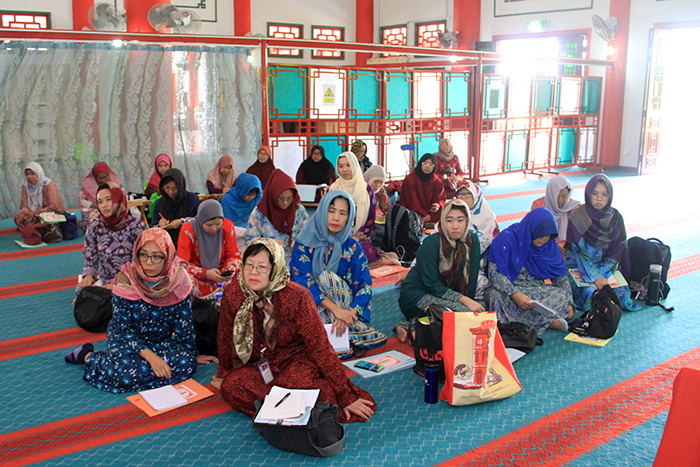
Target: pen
(283, 399)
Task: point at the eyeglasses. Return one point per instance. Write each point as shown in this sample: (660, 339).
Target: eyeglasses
(285, 200)
(464, 195)
(155, 259)
(428, 164)
(260, 269)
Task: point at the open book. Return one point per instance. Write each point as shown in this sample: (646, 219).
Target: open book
(287, 406)
(616, 280)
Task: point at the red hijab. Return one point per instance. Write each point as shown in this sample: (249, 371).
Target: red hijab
(260, 170)
(120, 211)
(281, 219)
(154, 181)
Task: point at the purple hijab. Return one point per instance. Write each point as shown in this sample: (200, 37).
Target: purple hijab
(512, 249)
(602, 228)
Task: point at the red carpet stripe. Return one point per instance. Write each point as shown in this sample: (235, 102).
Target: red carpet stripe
(38, 287)
(9, 231)
(684, 266)
(569, 433)
(46, 342)
(75, 434)
(52, 250)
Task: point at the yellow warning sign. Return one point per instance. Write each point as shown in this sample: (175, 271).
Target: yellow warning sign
(329, 94)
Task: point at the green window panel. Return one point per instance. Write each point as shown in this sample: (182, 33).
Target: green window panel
(542, 95)
(288, 92)
(364, 94)
(398, 95)
(566, 147)
(516, 150)
(426, 142)
(457, 94)
(591, 96)
(494, 96)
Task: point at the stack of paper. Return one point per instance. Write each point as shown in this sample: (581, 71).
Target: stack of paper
(392, 361)
(295, 409)
(339, 343)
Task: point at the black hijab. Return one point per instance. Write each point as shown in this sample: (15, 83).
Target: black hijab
(317, 173)
(179, 207)
(419, 167)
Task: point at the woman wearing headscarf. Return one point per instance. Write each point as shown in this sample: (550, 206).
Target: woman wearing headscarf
(222, 177)
(375, 177)
(162, 164)
(208, 245)
(280, 215)
(447, 267)
(101, 173)
(239, 203)
(316, 169)
(351, 181)
(333, 266)
(176, 205)
(597, 244)
(109, 240)
(525, 267)
(150, 339)
(39, 194)
(557, 199)
(422, 191)
(359, 148)
(448, 167)
(263, 314)
(263, 167)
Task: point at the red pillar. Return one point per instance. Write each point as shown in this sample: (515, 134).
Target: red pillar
(80, 14)
(611, 123)
(137, 15)
(467, 21)
(364, 28)
(241, 17)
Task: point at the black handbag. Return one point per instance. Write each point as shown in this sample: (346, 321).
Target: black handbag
(52, 233)
(602, 319)
(93, 308)
(425, 337)
(519, 336)
(205, 314)
(322, 436)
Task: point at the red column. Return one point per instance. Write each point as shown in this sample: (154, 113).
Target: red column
(137, 15)
(80, 14)
(241, 17)
(611, 122)
(467, 21)
(364, 28)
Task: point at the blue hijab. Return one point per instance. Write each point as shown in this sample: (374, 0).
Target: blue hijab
(315, 234)
(235, 208)
(512, 249)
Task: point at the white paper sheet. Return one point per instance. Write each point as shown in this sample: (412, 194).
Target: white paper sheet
(163, 398)
(339, 343)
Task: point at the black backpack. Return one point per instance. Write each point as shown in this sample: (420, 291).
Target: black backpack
(602, 319)
(642, 254)
(93, 308)
(205, 314)
(404, 232)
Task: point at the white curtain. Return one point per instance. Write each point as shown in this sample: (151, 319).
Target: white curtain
(67, 106)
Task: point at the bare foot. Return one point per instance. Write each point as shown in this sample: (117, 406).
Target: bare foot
(401, 333)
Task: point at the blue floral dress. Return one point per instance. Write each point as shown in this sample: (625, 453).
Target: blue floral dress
(137, 325)
(260, 226)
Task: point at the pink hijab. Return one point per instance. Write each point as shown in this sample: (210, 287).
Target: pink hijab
(219, 180)
(90, 181)
(172, 286)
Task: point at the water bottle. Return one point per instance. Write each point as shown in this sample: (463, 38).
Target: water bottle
(431, 383)
(654, 284)
(219, 293)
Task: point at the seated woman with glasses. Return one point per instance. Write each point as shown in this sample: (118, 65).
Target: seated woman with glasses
(597, 245)
(208, 245)
(332, 265)
(150, 339)
(265, 316)
(280, 215)
(422, 191)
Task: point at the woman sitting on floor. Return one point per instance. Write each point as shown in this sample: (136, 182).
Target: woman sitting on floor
(239, 203)
(333, 266)
(597, 244)
(359, 148)
(525, 265)
(263, 167)
(162, 163)
(422, 191)
(446, 269)
(558, 200)
(150, 339)
(208, 245)
(483, 223)
(222, 177)
(39, 194)
(109, 240)
(100, 174)
(375, 177)
(176, 206)
(447, 165)
(265, 315)
(316, 170)
(280, 215)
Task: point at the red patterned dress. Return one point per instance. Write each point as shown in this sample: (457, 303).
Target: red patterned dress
(302, 359)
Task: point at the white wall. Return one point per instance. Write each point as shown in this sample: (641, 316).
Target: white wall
(61, 10)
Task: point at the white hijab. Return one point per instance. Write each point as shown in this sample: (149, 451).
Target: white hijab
(35, 193)
(356, 187)
(561, 214)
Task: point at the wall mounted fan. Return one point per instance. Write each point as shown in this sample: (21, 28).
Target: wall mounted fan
(448, 39)
(606, 29)
(104, 17)
(165, 17)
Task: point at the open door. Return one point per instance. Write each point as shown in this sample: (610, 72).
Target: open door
(651, 127)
